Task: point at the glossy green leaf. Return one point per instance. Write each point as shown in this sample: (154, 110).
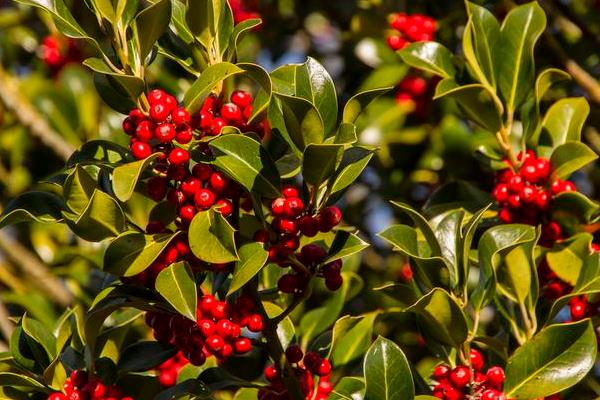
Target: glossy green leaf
(105, 9)
(10, 379)
(33, 206)
(574, 207)
(241, 29)
(114, 98)
(569, 157)
(98, 152)
(387, 373)
(252, 257)
(351, 338)
(349, 388)
(423, 226)
(151, 23)
(101, 219)
(514, 56)
(302, 120)
(443, 316)
(128, 85)
(447, 229)
(285, 329)
(212, 238)
(247, 162)
(125, 177)
(345, 244)
(359, 102)
(566, 258)
(564, 121)
(555, 359)
(177, 285)
(314, 84)
(480, 39)
(429, 56)
(38, 332)
(475, 100)
(354, 161)
(546, 79)
(319, 163)
(133, 252)
(78, 189)
(210, 77)
(142, 356)
(320, 319)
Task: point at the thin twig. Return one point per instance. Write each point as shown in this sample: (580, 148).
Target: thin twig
(31, 265)
(30, 117)
(6, 326)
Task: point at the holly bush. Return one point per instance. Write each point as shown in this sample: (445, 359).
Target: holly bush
(342, 200)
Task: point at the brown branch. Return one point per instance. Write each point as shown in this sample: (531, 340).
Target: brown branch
(6, 326)
(31, 265)
(30, 117)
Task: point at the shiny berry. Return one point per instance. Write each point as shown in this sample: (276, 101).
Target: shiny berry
(179, 156)
(241, 98)
(460, 376)
(204, 199)
(140, 150)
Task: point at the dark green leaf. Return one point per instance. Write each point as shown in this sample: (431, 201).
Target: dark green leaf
(102, 218)
(125, 177)
(387, 373)
(133, 252)
(10, 379)
(444, 317)
(564, 121)
(211, 238)
(359, 102)
(253, 257)
(33, 206)
(38, 332)
(555, 359)
(514, 56)
(247, 162)
(177, 285)
(302, 121)
(429, 56)
(128, 85)
(78, 189)
(210, 77)
(351, 338)
(354, 161)
(480, 39)
(348, 388)
(569, 157)
(151, 23)
(345, 244)
(319, 163)
(142, 356)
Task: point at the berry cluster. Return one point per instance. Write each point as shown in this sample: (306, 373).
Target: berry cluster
(291, 220)
(525, 195)
(412, 92)
(218, 330)
(243, 10)
(410, 28)
(58, 51)
(305, 367)
(168, 370)
(79, 386)
(458, 384)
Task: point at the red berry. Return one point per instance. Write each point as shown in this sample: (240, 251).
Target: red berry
(140, 150)
(399, 21)
(334, 282)
(204, 199)
(242, 345)
(476, 360)
(289, 192)
(440, 372)
(129, 126)
(516, 184)
(145, 131)
(225, 207)
(261, 236)
(331, 216)
(290, 243)
(569, 186)
(241, 98)
(528, 194)
(312, 253)
(180, 116)
(323, 368)
(514, 201)
(501, 193)
(495, 377)
(184, 135)
(159, 111)
(167, 378)
(578, 309)
(294, 354)
(255, 323)
(271, 373)
(221, 310)
(215, 343)
(293, 207)
(216, 125)
(179, 156)
(529, 172)
(278, 207)
(288, 283)
(543, 168)
(156, 96)
(186, 213)
(190, 187)
(157, 188)
(396, 42)
(165, 133)
(224, 328)
(202, 171)
(218, 182)
(207, 327)
(460, 376)
(231, 112)
(287, 226)
(308, 225)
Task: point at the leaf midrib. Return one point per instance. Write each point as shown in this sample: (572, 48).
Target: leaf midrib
(513, 90)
